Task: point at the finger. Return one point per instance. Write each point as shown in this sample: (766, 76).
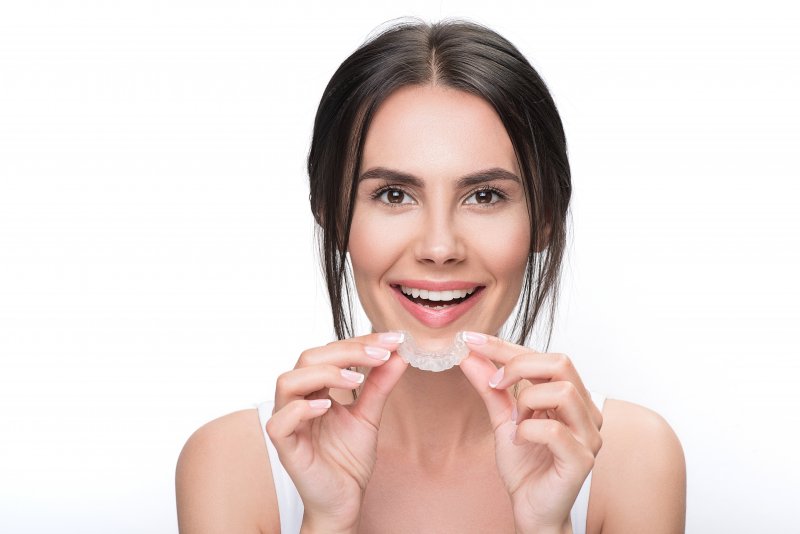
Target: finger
(570, 457)
(299, 383)
(499, 403)
(494, 348)
(366, 351)
(283, 424)
(387, 339)
(539, 368)
(379, 383)
(563, 403)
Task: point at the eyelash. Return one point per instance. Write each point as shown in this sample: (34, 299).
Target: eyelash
(500, 194)
(377, 194)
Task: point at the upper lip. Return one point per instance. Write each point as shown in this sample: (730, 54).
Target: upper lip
(431, 285)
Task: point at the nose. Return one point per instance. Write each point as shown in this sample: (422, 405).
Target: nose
(440, 242)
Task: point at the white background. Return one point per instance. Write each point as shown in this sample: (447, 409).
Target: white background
(156, 255)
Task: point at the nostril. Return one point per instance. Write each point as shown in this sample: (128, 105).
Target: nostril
(439, 248)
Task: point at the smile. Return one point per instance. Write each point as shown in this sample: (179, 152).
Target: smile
(427, 297)
(437, 304)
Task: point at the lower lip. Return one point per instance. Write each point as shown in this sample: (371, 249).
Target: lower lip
(437, 318)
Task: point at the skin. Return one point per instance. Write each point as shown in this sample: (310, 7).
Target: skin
(438, 231)
(351, 462)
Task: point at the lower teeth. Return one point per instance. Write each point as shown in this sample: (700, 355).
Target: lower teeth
(430, 304)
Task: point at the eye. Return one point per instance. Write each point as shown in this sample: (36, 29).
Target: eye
(485, 196)
(392, 195)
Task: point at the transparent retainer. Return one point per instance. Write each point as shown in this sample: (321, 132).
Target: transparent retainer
(432, 360)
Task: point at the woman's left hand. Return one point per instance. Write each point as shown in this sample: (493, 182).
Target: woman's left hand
(547, 439)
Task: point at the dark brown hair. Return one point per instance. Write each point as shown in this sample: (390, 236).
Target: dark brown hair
(464, 56)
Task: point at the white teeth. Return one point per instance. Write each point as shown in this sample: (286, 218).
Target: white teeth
(437, 295)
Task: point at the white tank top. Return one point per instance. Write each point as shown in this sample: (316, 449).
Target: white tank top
(290, 506)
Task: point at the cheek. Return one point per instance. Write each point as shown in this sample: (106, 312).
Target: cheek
(374, 245)
(504, 247)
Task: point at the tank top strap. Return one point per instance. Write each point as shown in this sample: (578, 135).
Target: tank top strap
(580, 510)
(290, 505)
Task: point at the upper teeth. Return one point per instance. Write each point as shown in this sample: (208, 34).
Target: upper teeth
(437, 295)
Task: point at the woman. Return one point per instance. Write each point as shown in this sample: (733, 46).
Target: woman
(438, 164)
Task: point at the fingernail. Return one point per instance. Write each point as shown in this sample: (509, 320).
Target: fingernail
(514, 415)
(352, 376)
(392, 337)
(474, 337)
(320, 403)
(377, 353)
(514, 434)
(498, 376)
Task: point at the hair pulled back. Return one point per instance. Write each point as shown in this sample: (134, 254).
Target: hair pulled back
(467, 57)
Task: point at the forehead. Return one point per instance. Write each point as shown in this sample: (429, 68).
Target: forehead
(434, 131)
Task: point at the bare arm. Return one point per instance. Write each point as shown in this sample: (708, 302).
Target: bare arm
(223, 480)
(640, 472)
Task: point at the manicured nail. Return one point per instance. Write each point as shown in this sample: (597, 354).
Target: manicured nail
(320, 403)
(498, 376)
(392, 337)
(377, 353)
(514, 415)
(474, 337)
(352, 376)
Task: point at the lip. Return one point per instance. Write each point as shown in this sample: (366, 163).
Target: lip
(436, 318)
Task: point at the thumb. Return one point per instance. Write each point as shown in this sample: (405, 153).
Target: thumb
(499, 402)
(379, 383)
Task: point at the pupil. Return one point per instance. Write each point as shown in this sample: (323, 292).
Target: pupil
(395, 196)
(484, 197)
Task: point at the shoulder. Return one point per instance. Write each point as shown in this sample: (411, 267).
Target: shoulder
(639, 478)
(223, 479)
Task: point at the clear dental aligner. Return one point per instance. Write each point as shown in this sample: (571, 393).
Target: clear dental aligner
(432, 360)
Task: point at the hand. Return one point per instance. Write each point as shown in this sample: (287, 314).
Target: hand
(329, 449)
(546, 453)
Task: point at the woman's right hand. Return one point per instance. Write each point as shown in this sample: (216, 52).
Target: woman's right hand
(329, 449)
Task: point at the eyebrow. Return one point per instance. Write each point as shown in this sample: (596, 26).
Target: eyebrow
(469, 180)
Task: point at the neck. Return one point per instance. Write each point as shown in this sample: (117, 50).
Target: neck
(434, 417)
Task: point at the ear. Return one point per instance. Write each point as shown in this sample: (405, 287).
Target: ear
(543, 238)
(317, 217)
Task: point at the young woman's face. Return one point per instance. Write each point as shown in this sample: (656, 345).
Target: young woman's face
(440, 214)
